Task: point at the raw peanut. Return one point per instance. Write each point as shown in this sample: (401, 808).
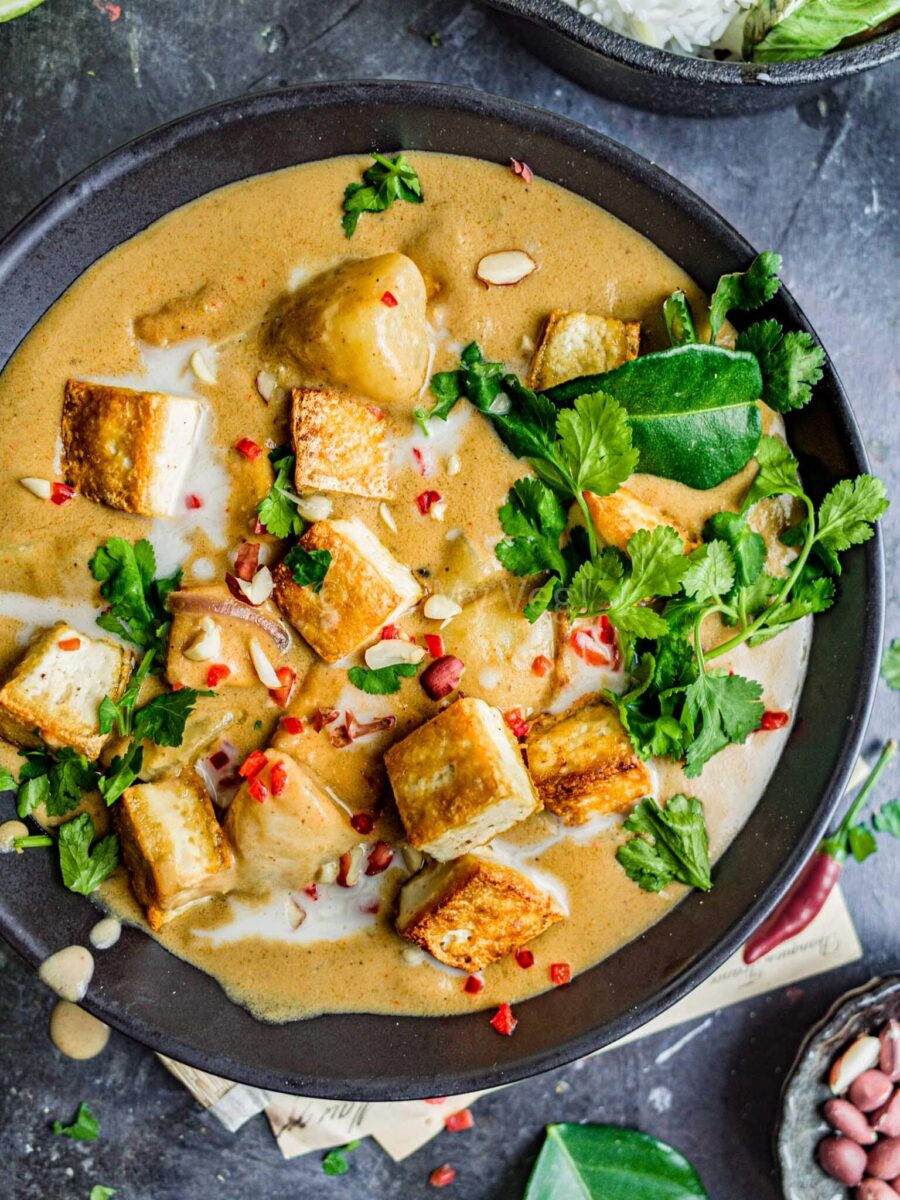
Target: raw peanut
(842, 1159)
(847, 1119)
(861, 1056)
(889, 1062)
(884, 1159)
(442, 677)
(886, 1120)
(875, 1189)
(870, 1091)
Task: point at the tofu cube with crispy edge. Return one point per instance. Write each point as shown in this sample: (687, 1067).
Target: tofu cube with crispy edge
(364, 589)
(577, 343)
(583, 763)
(128, 449)
(56, 690)
(473, 911)
(283, 839)
(172, 845)
(459, 779)
(340, 446)
(619, 516)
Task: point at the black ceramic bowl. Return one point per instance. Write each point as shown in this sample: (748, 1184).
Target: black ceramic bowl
(143, 990)
(627, 70)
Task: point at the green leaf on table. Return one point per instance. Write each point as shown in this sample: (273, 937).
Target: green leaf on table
(308, 567)
(861, 841)
(778, 31)
(381, 681)
(137, 600)
(887, 819)
(722, 709)
(791, 363)
(743, 290)
(679, 320)
(84, 1128)
(604, 1162)
(386, 180)
(84, 868)
(99, 1192)
(890, 665)
(334, 1162)
(277, 510)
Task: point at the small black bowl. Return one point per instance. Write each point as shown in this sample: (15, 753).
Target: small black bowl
(624, 69)
(173, 1007)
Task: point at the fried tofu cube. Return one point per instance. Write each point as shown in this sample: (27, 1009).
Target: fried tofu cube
(339, 445)
(577, 343)
(53, 694)
(172, 845)
(364, 589)
(583, 763)
(619, 516)
(128, 449)
(473, 911)
(459, 780)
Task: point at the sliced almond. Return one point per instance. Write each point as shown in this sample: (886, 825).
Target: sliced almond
(207, 644)
(440, 608)
(861, 1056)
(412, 956)
(505, 267)
(438, 510)
(413, 858)
(315, 507)
(264, 669)
(259, 588)
(38, 487)
(391, 651)
(454, 466)
(201, 368)
(266, 385)
(387, 516)
(350, 866)
(328, 872)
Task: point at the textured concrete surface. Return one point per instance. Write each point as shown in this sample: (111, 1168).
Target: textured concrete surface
(819, 183)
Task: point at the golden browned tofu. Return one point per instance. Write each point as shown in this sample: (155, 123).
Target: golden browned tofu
(57, 688)
(283, 840)
(340, 446)
(577, 343)
(459, 779)
(130, 450)
(364, 589)
(172, 845)
(583, 763)
(473, 911)
(211, 627)
(619, 516)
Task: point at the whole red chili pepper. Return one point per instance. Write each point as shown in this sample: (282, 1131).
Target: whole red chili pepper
(815, 882)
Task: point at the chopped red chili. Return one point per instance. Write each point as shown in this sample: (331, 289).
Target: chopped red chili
(517, 723)
(193, 501)
(524, 958)
(292, 725)
(424, 464)
(71, 643)
(426, 500)
(250, 449)
(390, 633)
(278, 778)
(61, 493)
(258, 790)
(281, 695)
(458, 1121)
(252, 764)
(560, 974)
(473, 985)
(216, 673)
(541, 666)
(434, 644)
(442, 1176)
(176, 687)
(774, 720)
(503, 1020)
(312, 891)
(389, 299)
(363, 822)
(437, 1100)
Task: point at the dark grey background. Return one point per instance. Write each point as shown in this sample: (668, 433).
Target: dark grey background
(820, 184)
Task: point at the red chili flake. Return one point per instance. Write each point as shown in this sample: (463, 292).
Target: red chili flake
(522, 169)
(219, 760)
(560, 974)
(320, 719)
(459, 1121)
(473, 985)
(587, 642)
(373, 909)
(442, 1176)
(312, 891)
(282, 695)
(176, 687)
(541, 666)
(113, 11)
(250, 449)
(425, 500)
(503, 1020)
(437, 1100)
(252, 764)
(71, 643)
(525, 958)
(516, 722)
(380, 858)
(434, 644)
(774, 720)
(389, 300)
(258, 790)
(424, 462)
(390, 633)
(278, 778)
(363, 822)
(246, 561)
(216, 673)
(292, 725)
(61, 493)
(193, 501)
(375, 411)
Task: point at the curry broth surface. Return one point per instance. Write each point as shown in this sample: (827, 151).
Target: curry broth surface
(229, 256)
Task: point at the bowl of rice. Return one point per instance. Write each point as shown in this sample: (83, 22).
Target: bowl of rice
(708, 57)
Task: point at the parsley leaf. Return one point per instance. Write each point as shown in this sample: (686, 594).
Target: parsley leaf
(84, 869)
(887, 819)
(84, 1128)
(387, 180)
(890, 665)
(669, 843)
(744, 289)
(711, 572)
(725, 708)
(595, 444)
(163, 718)
(534, 518)
(308, 567)
(277, 510)
(137, 602)
(679, 320)
(791, 363)
(55, 779)
(846, 514)
(382, 681)
(334, 1162)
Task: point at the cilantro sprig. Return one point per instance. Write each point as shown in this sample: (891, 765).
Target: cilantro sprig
(334, 1163)
(386, 180)
(277, 510)
(668, 844)
(54, 779)
(381, 681)
(137, 610)
(84, 868)
(308, 567)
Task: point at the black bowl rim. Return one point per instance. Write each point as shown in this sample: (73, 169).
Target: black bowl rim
(506, 1065)
(590, 35)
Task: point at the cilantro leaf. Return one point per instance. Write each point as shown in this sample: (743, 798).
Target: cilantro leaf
(744, 289)
(163, 718)
(119, 714)
(711, 572)
(890, 665)
(380, 681)
(848, 512)
(887, 819)
(541, 599)
(277, 510)
(679, 320)
(121, 773)
(7, 780)
(99, 1192)
(595, 582)
(791, 363)
(475, 379)
(777, 475)
(534, 518)
(725, 708)
(669, 843)
(386, 180)
(57, 780)
(308, 567)
(595, 444)
(748, 549)
(137, 602)
(334, 1162)
(650, 719)
(83, 868)
(861, 842)
(84, 1128)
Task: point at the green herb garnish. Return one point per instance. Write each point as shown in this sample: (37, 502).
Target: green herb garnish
(83, 868)
(308, 567)
(33, 841)
(137, 601)
(387, 180)
(84, 1128)
(890, 665)
(334, 1162)
(56, 779)
(669, 843)
(99, 1192)
(381, 681)
(777, 31)
(277, 510)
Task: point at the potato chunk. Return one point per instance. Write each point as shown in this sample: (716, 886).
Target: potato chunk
(619, 516)
(577, 343)
(459, 779)
(283, 841)
(57, 688)
(364, 589)
(340, 446)
(343, 327)
(473, 911)
(583, 763)
(172, 845)
(130, 450)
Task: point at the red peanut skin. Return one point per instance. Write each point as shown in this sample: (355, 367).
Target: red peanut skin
(870, 1090)
(886, 1120)
(890, 1050)
(884, 1159)
(875, 1189)
(843, 1160)
(848, 1120)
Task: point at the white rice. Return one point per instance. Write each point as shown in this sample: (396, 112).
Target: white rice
(685, 25)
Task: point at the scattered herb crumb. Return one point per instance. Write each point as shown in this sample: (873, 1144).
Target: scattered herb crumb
(334, 1162)
(890, 665)
(84, 1128)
